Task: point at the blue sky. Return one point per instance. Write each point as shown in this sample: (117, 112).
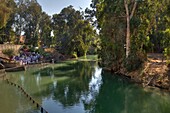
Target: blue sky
(55, 6)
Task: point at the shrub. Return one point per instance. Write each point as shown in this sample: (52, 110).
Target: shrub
(134, 61)
(8, 52)
(167, 55)
(74, 54)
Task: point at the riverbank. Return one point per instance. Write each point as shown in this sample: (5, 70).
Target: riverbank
(155, 72)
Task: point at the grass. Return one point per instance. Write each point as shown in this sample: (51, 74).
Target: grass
(88, 58)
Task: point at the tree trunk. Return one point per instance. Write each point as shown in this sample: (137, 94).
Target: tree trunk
(85, 54)
(128, 18)
(127, 29)
(128, 37)
(37, 32)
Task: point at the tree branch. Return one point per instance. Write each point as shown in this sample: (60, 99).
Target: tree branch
(133, 10)
(126, 7)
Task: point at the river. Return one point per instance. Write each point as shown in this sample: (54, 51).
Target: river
(79, 87)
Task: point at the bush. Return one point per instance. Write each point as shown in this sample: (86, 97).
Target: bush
(134, 61)
(75, 55)
(167, 55)
(8, 52)
(40, 51)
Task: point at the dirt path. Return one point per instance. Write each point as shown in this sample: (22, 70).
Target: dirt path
(156, 72)
(157, 64)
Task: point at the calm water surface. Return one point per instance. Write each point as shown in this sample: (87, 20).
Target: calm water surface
(81, 87)
(13, 101)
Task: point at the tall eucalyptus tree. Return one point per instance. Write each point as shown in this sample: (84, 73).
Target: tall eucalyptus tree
(129, 24)
(73, 33)
(7, 11)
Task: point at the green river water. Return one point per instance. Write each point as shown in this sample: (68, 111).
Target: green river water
(79, 87)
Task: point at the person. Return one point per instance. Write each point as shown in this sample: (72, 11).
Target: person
(1, 61)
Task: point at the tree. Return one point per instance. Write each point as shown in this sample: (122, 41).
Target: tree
(129, 16)
(20, 17)
(111, 24)
(33, 17)
(45, 29)
(5, 11)
(129, 22)
(7, 33)
(72, 32)
(85, 36)
(27, 20)
(159, 32)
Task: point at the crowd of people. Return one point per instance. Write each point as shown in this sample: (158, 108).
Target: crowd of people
(27, 58)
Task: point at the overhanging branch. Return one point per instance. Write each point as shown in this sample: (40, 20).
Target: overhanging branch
(133, 10)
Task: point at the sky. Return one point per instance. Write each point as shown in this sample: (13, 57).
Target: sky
(55, 6)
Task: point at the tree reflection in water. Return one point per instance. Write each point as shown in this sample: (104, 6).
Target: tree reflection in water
(71, 82)
(78, 87)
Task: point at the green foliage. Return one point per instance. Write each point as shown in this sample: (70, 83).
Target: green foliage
(166, 44)
(8, 52)
(43, 53)
(149, 20)
(112, 25)
(75, 55)
(159, 25)
(5, 11)
(72, 32)
(45, 30)
(167, 54)
(27, 20)
(134, 61)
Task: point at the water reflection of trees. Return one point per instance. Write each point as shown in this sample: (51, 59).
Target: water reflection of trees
(117, 95)
(83, 84)
(70, 92)
(77, 88)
